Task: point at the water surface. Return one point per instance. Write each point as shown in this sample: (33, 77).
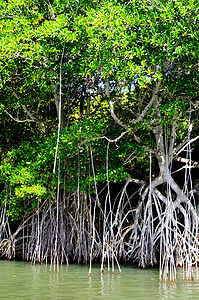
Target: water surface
(21, 280)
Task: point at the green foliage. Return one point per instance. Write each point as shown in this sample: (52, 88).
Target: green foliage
(130, 39)
(26, 172)
(132, 45)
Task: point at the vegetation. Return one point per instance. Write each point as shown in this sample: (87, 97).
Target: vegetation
(99, 108)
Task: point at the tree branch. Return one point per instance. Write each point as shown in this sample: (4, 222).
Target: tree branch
(184, 144)
(28, 112)
(116, 139)
(16, 120)
(185, 160)
(117, 120)
(153, 98)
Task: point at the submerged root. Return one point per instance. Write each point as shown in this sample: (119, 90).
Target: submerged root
(161, 229)
(165, 230)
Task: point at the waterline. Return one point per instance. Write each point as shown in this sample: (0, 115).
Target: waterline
(21, 280)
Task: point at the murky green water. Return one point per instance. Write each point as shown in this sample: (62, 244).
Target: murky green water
(20, 280)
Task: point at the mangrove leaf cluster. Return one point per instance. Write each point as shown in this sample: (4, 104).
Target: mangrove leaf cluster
(99, 117)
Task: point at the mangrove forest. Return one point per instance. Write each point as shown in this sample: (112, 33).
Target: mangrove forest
(99, 133)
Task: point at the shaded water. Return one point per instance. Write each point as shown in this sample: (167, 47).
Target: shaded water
(20, 280)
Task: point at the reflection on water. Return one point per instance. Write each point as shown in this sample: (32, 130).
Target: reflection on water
(19, 280)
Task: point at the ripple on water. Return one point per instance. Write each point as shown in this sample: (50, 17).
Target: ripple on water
(19, 280)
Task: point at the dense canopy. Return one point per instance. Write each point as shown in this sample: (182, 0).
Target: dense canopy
(99, 122)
